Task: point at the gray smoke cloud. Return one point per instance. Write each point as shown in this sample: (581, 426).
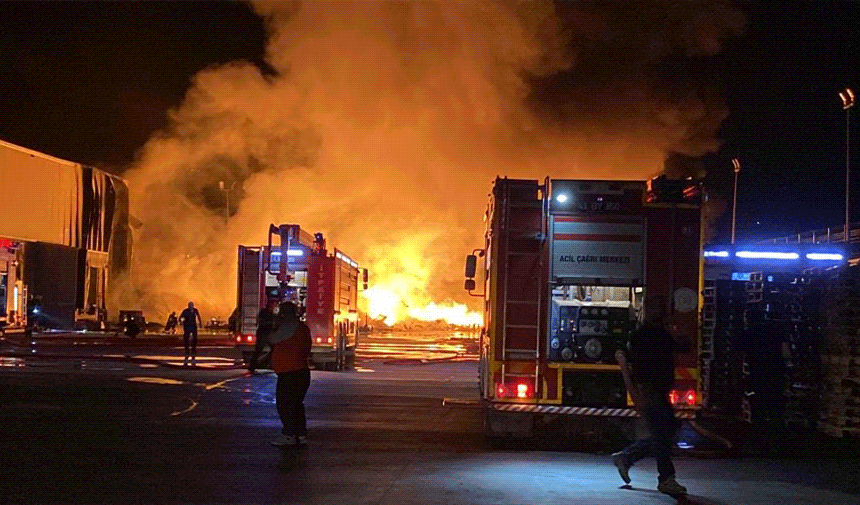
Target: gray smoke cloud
(384, 123)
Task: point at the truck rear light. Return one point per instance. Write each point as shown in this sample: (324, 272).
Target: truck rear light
(674, 397)
(690, 398)
(249, 338)
(522, 391)
(514, 390)
(238, 338)
(319, 340)
(329, 340)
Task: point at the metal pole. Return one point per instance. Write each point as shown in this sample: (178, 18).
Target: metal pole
(737, 165)
(227, 215)
(847, 96)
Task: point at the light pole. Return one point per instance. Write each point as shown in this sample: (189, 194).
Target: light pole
(737, 165)
(226, 191)
(847, 96)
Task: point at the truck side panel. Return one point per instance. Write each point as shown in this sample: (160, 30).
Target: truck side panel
(320, 304)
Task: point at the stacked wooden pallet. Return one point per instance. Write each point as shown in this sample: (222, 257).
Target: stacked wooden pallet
(840, 412)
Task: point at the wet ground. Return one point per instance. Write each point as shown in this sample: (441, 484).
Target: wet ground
(403, 427)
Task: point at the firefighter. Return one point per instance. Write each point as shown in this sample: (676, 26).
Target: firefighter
(290, 343)
(170, 325)
(189, 319)
(650, 351)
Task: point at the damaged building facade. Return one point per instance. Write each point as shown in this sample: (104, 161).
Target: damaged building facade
(64, 240)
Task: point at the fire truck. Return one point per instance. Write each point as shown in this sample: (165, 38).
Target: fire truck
(298, 268)
(568, 266)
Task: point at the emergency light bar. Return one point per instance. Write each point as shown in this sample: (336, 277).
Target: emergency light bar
(290, 252)
(346, 258)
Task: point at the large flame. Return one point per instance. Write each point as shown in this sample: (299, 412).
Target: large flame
(392, 308)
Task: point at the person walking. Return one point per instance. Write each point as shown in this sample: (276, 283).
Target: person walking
(651, 353)
(290, 343)
(189, 319)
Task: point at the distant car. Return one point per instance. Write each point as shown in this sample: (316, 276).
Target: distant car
(132, 322)
(216, 324)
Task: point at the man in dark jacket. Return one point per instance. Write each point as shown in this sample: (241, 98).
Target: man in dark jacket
(189, 319)
(651, 353)
(290, 343)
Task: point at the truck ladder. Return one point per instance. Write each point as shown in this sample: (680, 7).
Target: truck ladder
(522, 247)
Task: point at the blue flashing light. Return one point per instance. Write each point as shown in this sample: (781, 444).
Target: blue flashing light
(290, 252)
(561, 198)
(825, 257)
(767, 255)
(740, 276)
(716, 254)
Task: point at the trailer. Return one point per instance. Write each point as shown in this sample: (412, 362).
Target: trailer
(299, 269)
(567, 268)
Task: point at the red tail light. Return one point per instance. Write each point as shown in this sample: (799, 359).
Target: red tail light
(690, 397)
(514, 390)
(238, 338)
(674, 397)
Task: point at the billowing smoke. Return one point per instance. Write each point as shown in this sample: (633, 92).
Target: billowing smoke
(383, 124)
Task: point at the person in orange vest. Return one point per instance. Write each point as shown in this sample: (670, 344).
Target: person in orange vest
(290, 344)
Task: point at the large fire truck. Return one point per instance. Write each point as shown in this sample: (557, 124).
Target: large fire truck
(568, 267)
(298, 268)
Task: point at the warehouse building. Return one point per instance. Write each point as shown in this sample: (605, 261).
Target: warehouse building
(64, 239)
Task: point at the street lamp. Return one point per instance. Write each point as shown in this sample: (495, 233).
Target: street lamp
(226, 191)
(737, 165)
(847, 97)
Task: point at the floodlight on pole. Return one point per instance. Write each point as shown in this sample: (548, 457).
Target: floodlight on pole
(226, 191)
(737, 167)
(847, 96)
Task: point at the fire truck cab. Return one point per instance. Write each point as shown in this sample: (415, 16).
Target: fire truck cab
(299, 269)
(568, 267)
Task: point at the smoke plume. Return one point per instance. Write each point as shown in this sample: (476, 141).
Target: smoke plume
(382, 124)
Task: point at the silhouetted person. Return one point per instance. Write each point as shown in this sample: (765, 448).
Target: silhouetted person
(763, 343)
(170, 325)
(189, 319)
(290, 342)
(267, 321)
(651, 354)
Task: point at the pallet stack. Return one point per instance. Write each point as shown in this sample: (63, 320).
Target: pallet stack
(722, 321)
(840, 412)
(792, 302)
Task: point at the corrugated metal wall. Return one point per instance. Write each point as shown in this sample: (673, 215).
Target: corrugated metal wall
(45, 199)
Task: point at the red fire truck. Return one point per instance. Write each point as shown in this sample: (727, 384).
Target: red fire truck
(299, 269)
(568, 267)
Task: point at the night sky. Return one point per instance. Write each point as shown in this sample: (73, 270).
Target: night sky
(90, 82)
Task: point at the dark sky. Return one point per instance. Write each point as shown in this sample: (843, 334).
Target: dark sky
(90, 82)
